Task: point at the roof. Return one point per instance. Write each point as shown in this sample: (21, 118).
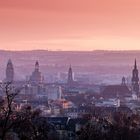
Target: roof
(114, 90)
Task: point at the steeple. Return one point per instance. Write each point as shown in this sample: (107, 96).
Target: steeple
(9, 71)
(37, 66)
(123, 81)
(9, 61)
(70, 76)
(135, 79)
(135, 66)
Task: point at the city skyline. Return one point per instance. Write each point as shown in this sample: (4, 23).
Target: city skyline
(70, 25)
(105, 68)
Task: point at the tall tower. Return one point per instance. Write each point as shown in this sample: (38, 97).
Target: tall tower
(9, 71)
(70, 77)
(37, 66)
(36, 76)
(135, 79)
(123, 81)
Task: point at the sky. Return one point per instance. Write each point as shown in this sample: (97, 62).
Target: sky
(82, 25)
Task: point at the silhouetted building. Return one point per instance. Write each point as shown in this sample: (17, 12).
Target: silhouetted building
(9, 71)
(36, 77)
(70, 77)
(135, 79)
(112, 91)
(123, 81)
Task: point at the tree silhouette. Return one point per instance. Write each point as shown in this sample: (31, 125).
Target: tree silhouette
(123, 127)
(7, 113)
(26, 123)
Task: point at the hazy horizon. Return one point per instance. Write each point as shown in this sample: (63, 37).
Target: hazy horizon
(98, 66)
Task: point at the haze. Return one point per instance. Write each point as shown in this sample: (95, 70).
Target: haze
(70, 24)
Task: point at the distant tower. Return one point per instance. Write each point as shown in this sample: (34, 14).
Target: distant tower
(135, 79)
(37, 66)
(70, 77)
(123, 81)
(36, 76)
(9, 71)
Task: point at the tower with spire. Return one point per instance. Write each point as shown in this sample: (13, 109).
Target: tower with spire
(37, 66)
(9, 71)
(123, 81)
(70, 77)
(135, 79)
(36, 77)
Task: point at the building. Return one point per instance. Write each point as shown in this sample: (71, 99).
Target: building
(9, 71)
(70, 80)
(54, 92)
(112, 91)
(36, 77)
(135, 79)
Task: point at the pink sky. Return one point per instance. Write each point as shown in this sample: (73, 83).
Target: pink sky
(70, 24)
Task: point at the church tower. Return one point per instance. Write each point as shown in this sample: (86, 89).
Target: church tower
(135, 79)
(9, 71)
(123, 81)
(37, 66)
(36, 77)
(70, 77)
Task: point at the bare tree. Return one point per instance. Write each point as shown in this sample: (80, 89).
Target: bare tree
(26, 123)
(7, 112)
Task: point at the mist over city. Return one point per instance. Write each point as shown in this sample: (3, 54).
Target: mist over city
(97, 67)
(69, 70)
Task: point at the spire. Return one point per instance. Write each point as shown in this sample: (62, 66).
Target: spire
(9, 71)
(70, 75)
(70, 68)
(135, 79)
(37, 66)
(36, 63)
(9, 64)
(9, 61)
(135, 66)
(123, 81)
